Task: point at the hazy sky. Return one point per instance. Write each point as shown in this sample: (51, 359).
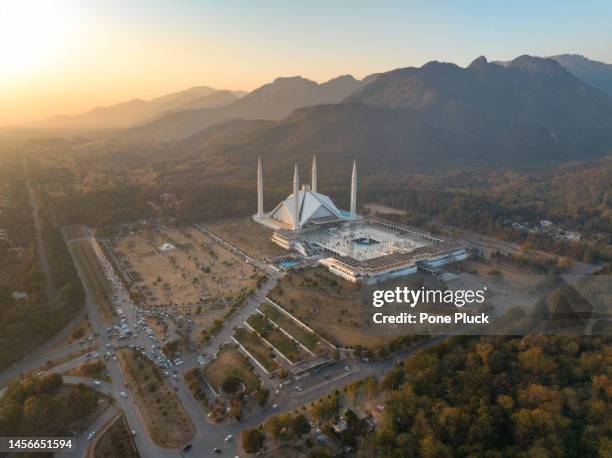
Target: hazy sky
(66, 56)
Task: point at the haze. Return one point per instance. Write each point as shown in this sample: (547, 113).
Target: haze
(67, 56)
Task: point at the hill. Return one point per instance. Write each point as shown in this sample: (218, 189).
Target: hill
(272, 101)
(136, 111)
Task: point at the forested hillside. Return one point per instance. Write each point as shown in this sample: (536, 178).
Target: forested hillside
(531, 396)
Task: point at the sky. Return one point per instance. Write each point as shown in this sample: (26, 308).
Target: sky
(68, 56)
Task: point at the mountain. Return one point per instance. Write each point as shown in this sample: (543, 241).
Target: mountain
(597, 74)
(271, 101)
(439, 115)
(213, 100)
(136, 111)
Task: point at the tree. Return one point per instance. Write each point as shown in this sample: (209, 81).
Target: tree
(273, 426)
(300, 425)
(261, 396)
(253, 440)
(231, 384)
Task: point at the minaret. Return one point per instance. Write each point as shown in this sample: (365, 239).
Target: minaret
(313, 184)
(296, 199)
(260, 210)
(354, 192)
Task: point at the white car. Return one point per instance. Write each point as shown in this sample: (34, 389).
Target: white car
(90, 435)
(123, 394)
(228, 438)
(274, 406)
(97, 383)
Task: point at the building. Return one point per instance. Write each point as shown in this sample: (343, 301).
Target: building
(357, 249)
(304, 206)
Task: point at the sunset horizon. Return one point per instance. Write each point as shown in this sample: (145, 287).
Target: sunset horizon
(66, 57)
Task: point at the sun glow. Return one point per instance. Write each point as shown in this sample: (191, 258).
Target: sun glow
(33, 36)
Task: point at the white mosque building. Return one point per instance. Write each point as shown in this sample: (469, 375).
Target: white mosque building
(305, 206)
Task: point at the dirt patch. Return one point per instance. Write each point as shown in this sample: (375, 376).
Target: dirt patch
(183, 267)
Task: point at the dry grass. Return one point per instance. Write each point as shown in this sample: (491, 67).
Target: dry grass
(163, 413)
(87, 259)
(91, 369)
(198, 271)
(287, 347)
(297, 331)
(244, 233)
(331, 306)
(257, 348)
(116, 441)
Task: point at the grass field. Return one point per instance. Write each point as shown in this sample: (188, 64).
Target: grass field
(244, 233)
(89, 263)
(281, 342)
(301, 334)
(256, 347)
(116, 442)
(230, 362)
(163, 413)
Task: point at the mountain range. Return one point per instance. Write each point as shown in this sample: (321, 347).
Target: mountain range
(528, 110)
(272, 101)
(440, 115)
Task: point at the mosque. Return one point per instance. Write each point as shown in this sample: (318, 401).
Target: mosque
(353, 247)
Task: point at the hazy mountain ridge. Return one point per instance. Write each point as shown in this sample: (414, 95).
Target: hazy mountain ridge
(272, 101)
(598, 74)
(439, 115)
(137, 111)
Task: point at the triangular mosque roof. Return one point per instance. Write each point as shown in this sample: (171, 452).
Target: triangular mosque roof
(312, 205)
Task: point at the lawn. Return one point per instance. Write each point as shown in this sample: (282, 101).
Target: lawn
(301, 334)
(256, 347)
(281, 342)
